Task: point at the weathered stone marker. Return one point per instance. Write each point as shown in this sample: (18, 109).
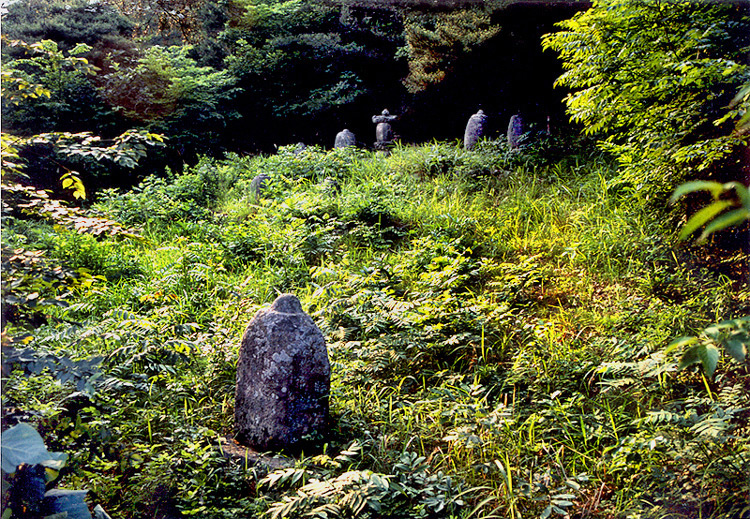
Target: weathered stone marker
(515, 131)
(283, 378)
(383, 130)
(474, 129)
(344, 139)
(258, 184)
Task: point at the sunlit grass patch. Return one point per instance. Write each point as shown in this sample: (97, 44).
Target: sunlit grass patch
(496, 324)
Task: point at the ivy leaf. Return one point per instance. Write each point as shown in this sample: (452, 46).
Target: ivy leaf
(737, 349)
(709, 355)
(705, 354)
(681, 341)
(690, 357)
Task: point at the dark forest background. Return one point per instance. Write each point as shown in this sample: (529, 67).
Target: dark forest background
(249, 76)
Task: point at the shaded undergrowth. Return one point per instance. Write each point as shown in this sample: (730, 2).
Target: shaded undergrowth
(497, 324)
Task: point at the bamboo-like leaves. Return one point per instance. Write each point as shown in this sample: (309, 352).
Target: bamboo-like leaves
(715, 216)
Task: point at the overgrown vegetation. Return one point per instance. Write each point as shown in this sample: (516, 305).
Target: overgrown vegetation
(655, 82)
(498, 333)
(513, 333)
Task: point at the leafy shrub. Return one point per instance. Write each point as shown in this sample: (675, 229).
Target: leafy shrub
(68, 100)
(166, 89)
(653, 81)
(189, 197)
(311, 163)
(325, 486)
(34, 287)
(111, 259)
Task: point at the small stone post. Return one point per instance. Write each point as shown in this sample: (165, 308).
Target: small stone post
(475, 129)
(344, 139)
(515, 131)
(383, 130)
(283, 378)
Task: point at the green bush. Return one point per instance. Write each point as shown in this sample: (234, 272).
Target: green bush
(112, 259)
(189, 196)
(654, 81)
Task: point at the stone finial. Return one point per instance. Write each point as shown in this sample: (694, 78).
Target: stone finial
(258, 184)
(383, 130)
(475, 129)
(283, 378)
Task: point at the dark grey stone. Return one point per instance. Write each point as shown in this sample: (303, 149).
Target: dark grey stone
(515, 131)
(283, 378)
(383, 130)
(100, 513)
(71, 501)
(475, 129)
(344, 139)
(258, 184)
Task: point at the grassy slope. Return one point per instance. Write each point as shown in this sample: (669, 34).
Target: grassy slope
(496, 325)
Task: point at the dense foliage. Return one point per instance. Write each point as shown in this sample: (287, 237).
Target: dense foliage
(498, 330)
(512, 332)
(274, 72)
(654, 80)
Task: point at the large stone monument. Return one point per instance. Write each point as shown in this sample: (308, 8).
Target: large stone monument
(283, 378)
(515, 131)
(344, 139)
(383, 130)
(475, 129)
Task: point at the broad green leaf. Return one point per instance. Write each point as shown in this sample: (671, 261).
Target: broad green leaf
(22, 444)
(704, 215)
(729, 219)
(737, 323)
(696, 185)
(80, 48)
(714, 332)
(709, 355)
(690, 357)
(681, 341)
(55, 464)
(737, 349)
(563, 497)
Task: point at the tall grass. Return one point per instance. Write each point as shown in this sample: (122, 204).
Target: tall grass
(491, 316)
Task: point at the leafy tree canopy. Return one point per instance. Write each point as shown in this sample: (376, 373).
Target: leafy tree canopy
(654, 81)
(436, 40)
(67, 22)
(64, 98)
(169, 92)
(170, 22)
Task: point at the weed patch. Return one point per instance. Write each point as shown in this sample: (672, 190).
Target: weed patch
(498, 324)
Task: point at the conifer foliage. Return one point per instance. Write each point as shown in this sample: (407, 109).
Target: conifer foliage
(435, 40)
